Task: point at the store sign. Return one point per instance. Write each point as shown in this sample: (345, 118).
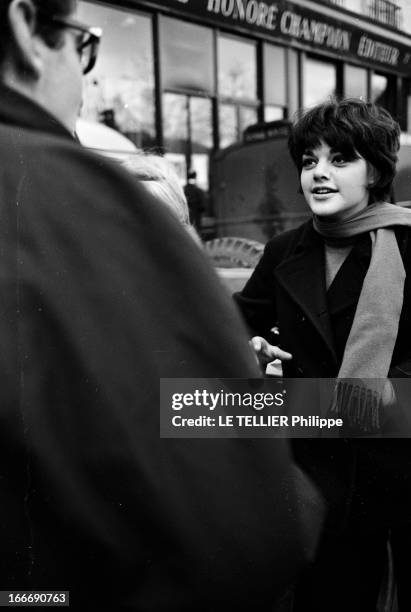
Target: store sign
(314, 31)
(283, 20)
(251, 12)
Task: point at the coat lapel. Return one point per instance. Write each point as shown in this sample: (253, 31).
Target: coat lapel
(302, 276)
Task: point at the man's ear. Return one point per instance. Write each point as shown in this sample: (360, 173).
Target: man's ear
(28, 47)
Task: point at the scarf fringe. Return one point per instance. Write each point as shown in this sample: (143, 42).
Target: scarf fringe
(358, 406)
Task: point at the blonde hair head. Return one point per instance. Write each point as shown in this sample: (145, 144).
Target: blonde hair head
(160, 178)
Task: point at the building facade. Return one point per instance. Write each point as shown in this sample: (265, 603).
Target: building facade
(188, 76)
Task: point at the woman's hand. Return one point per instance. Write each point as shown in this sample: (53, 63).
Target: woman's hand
(266, 352)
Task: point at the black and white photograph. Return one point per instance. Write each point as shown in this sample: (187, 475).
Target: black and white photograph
(205, 305)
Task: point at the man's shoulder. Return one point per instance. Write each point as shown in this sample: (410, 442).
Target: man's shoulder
(64, 169)
(30, 144)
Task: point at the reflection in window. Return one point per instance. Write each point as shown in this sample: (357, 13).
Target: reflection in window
(119, 92)
(248, 116)
(175, 122)
(320, 81)
(188, 133)
(355, 82)
(187, 58)
(201, 124)
(237, 68)
(275, 79)
(187, 119)
(273, 113)
(293, 75)
(384, 92)
(228, 124)
(379, 85)
(233, 120)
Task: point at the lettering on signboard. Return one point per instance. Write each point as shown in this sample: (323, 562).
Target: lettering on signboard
(381, 52)
(308, 29)
(318, 32)
(250, 11)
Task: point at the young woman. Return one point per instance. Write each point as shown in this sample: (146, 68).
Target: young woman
(339, 289)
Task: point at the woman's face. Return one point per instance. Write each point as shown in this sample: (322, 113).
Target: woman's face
(334, 187)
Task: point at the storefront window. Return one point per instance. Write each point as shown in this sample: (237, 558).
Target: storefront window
(201, 126)
(186, 56)
(379, 86)
(383, 91)
(248, 116)
(201, 138)
(175, 124)
(233, 120)
(228, 123)
(355, 82)
(237, 82)
(188, 134)
(275, 82)
(293, 73)
(273, 113)
(320, 81)
(119, 91)
(237, 68)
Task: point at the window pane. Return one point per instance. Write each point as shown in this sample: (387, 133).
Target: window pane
(175, 122)
(201, 124)
(293, 81)
(237, 72)
(234, 119)
(384, 91)
(248, 116)
(275, 86)
(200, 163)
(228, 124)
(119, 91)
(320, 81)
(379, 85)
(355, 82)
(180, 166)
(186, 56)
(273, 113)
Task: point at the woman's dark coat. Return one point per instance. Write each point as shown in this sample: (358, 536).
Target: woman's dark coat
(287, 289)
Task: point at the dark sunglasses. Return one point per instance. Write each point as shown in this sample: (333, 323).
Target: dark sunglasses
(88, 39)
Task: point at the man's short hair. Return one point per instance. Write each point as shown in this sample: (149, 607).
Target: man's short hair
(351, 126)
(51, 8)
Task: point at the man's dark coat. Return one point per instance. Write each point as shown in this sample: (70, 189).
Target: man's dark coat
(101, 295)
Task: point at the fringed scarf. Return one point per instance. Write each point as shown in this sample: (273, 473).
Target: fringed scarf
(370, 344)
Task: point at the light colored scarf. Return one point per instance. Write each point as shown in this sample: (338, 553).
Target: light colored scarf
(370, 344)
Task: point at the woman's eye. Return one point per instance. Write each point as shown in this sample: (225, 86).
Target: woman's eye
(308, 162)
(339, 160)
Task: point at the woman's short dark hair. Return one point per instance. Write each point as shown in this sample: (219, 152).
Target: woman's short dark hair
(52, 35)
(351, 126)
